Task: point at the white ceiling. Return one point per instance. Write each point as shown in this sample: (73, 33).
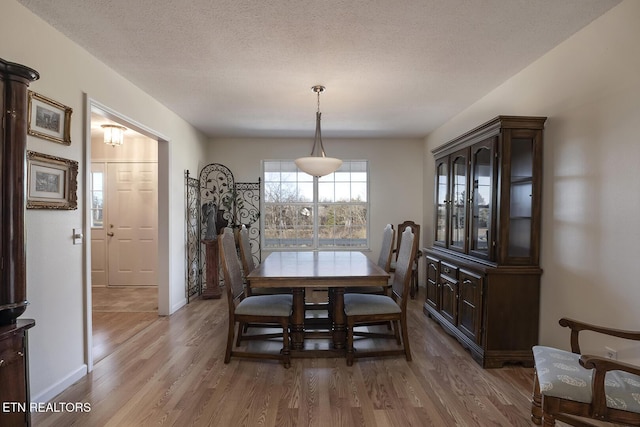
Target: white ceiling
(392, 68)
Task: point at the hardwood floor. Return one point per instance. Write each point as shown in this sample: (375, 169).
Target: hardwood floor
(118, 314)
(172, 373)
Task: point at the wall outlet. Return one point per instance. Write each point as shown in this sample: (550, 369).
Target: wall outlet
(610, 353)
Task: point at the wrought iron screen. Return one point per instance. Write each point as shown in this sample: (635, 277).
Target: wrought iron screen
(192, 232)
(216, 197)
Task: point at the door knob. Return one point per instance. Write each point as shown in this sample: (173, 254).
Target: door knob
(110, 234)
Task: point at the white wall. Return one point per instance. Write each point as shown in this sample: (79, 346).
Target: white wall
(589, 88)
(135, 149)
(395, 166)
(55, 267)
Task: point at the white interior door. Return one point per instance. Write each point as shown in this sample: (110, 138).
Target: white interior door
(132, 223)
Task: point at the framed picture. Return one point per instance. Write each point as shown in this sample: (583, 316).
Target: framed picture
(48, 119)
(52, 182)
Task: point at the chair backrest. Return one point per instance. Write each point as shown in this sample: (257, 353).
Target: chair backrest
(388, 236)
(230, 267)
(245, 251)
(415, 228)
(402, 276)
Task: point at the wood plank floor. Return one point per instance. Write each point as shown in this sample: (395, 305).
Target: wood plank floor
(172, 373)
(118, 314)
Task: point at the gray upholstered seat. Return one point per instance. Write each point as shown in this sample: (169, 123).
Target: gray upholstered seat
(560, 375)
(359, 304)
(266, 305)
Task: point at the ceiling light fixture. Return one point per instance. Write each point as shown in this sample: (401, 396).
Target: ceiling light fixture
(318, 164)
(113, 135)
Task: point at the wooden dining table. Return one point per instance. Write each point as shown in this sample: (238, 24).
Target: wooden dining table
(309, 270)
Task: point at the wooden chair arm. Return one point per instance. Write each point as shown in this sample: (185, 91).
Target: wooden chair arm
(600, 363)
(577, 326)
(601, 366)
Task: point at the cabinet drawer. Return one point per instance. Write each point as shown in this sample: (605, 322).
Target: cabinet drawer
(447, 269)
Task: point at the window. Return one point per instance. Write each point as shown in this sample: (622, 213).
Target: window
(303, 212)
(97, 195)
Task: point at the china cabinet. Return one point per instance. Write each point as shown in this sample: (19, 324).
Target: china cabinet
(482, 272)
(14, 378)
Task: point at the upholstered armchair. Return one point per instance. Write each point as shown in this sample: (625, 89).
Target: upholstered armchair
(568, 385)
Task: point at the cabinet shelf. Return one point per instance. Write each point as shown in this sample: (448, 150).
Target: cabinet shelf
(515, 180)
(483, 274)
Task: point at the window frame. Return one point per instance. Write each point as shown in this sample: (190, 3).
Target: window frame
(315, 246)
(98, 168)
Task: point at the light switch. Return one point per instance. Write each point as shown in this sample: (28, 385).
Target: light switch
(77, 236)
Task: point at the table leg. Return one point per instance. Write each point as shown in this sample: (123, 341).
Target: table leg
(297, 320)
(339, 322)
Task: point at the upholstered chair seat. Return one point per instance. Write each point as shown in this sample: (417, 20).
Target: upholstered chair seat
(362, 304)
(266, 305)
(560, 375)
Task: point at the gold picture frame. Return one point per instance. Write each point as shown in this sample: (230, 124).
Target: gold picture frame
(49, 119)
(52, 182)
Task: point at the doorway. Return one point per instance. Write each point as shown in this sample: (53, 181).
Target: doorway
(124, 235)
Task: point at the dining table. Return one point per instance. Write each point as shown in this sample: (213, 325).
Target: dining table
(303, 271)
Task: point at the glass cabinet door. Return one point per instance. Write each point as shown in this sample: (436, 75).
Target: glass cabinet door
(520, 205)
(459, 196)
(442, 202)
(482, 166)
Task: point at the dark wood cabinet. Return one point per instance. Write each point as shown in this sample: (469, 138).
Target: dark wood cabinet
(14, 374)
(482, 272)
(14, 378)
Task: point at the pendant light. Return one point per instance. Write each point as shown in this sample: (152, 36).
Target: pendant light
(318, 164)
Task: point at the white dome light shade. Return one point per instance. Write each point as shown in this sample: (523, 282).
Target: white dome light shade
(318, 166)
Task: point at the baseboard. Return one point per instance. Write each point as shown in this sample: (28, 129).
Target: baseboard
(57, 388)
(177, 306)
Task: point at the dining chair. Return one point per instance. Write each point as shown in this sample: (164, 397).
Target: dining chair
(384, 262)
(365, 309)
(243, 309)
(570, 386)
(414, 266)
(248, 264)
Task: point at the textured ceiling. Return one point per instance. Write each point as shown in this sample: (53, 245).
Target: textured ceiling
(392, 68)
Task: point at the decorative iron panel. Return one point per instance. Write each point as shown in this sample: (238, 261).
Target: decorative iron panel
(248, 204)
(192, 232)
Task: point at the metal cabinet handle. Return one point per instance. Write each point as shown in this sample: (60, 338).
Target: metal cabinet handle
(1, 362)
